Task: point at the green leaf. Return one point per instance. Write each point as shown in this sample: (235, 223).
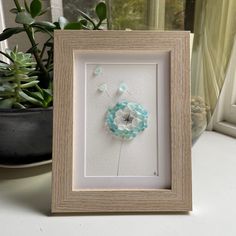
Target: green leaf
(87, 17)
(6, 55)
(57, 25)
(7, 79)
(35, 8)
(30, 84)
(8, 87)
(101, 11)
(23, 70)
(62, 22)
(7, 103)
(6, 73)
(6, 94)
(50, 67)
(44, 30)
(14, 11)
(7, 33)
(48, 91)
(86, 28)
(46, 24)
(3, 65)
(28, 79)
(3, 62)
(18, 105)
(73, 26)
(83, 22)
(47, 97)
(37, 95)
(29, 98)
(24, 18)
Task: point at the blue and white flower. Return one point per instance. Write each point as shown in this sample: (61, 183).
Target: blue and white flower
(126, 119)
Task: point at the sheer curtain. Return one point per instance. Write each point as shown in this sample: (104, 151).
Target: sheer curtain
(215, 27)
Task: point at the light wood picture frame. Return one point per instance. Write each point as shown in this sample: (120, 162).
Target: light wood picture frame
(78, 187)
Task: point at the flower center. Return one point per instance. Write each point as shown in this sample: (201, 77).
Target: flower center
(127, 118)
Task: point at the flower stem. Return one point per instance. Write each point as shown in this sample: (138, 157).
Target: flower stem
(17, 5)
(34, 45)
(118, 165)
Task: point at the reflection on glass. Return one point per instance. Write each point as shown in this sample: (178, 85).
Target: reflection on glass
(70, 8)
(138, 14)
(151, 14)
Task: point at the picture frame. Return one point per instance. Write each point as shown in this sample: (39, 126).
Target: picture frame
(87, 175)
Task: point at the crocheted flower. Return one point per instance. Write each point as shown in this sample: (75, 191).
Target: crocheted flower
(126, 119)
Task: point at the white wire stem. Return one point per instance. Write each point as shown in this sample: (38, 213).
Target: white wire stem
(118, 164)
(108, 94)
(131, 96)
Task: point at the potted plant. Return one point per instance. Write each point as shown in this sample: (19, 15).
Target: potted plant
(26, 96)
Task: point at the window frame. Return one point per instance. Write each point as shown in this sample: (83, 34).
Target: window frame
(3, 44)
(224, 117)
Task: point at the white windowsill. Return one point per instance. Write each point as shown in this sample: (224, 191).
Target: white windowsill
(25, 201)
(225, 127)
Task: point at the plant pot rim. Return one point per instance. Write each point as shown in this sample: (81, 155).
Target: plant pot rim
(28, 110)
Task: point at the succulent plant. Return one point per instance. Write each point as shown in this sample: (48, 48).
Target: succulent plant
(199, 114)
(18, 87)
(26, 16)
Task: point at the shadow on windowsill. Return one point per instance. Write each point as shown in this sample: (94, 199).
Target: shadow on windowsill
(28, 188)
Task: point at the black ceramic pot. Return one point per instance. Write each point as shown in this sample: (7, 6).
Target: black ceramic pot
(25, 136)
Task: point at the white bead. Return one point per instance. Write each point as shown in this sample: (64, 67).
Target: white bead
(98, 71)
(122, 88)
(102, 88)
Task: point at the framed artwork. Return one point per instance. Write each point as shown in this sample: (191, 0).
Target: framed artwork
(122, 130)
